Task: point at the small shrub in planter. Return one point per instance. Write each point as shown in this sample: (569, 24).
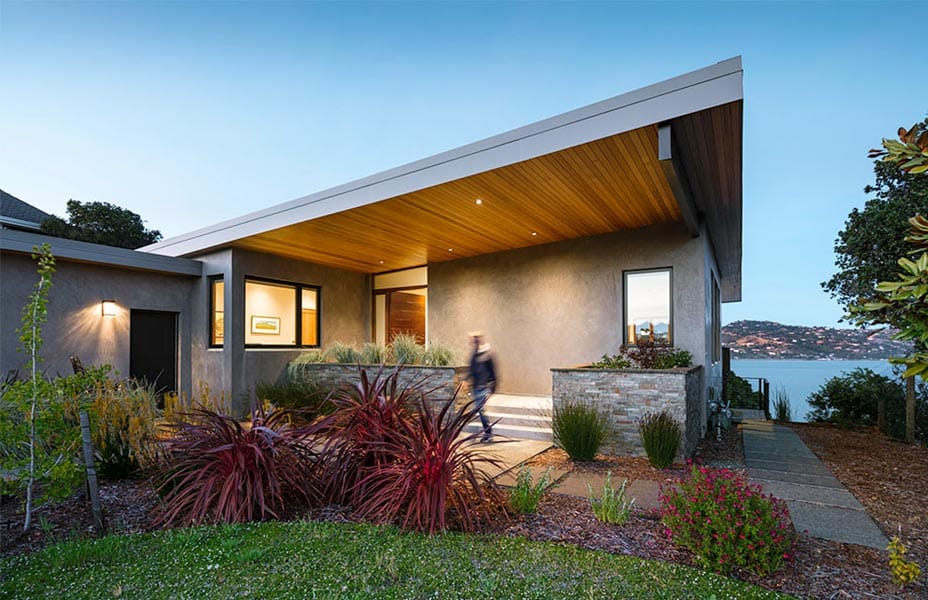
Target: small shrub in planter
(579, 428)
(527, 493)
(437, 354)
(727, 523)
(660, 436)
(372, 353)
(406, 350)
(341, 353)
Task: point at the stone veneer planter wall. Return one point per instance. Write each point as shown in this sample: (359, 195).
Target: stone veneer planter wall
(625, 395)
(439, 382)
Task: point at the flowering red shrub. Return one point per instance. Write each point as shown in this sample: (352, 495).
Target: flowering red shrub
(215, 470)
(727, 522)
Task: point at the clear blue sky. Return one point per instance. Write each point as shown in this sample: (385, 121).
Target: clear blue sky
(191, 113)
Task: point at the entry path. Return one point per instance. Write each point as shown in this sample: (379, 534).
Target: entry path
(778, 460)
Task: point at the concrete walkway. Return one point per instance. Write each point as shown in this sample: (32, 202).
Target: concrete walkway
(775, 458)
(778, 460)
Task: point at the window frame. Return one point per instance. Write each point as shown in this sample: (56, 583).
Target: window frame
(716, 334)
(211, 321)
(670, 325)
(297, 314)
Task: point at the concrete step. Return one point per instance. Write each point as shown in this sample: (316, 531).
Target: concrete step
(521, 419)
(515, 404)
(517, 432)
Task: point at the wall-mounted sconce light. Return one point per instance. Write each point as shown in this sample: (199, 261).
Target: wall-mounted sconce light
(108, 308)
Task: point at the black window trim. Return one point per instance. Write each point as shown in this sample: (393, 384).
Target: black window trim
(625, 273)
(298, 325)
(211, 321)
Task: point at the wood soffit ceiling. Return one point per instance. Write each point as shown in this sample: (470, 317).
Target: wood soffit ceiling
(610, 184)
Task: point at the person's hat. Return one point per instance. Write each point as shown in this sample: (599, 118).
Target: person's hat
(476, 333)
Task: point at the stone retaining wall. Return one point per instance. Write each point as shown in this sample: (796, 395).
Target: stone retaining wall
(625, 395)
(439, 383)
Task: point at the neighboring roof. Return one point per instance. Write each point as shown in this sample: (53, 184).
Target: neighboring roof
(588, 171)
(16, 213)
(24, 242)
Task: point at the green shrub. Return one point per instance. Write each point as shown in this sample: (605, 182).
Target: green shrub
(579, 429)
(851, 399)
(437, 354)
(616, 361)
(660, 435)
(309, 357)
(406, 350)
(526, 494)
(727, 523)
(123, 427)
(739, 393)
(612, 506)
(372, 354)
(341, 352)
(308, 395)
(646, 355)
(782, 409)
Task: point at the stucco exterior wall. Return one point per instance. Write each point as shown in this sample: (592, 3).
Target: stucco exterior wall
(560, 304)
(75, 325)
(344, 305)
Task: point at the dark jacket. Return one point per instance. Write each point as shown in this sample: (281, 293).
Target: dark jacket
(482, 370)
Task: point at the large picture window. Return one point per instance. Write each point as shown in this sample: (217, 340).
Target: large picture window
(648, 307)
(281, 314)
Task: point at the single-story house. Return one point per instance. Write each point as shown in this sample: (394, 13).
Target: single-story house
(562, 240)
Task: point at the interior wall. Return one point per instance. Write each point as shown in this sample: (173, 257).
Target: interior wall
(560, 305)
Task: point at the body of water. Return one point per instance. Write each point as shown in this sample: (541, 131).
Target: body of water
(799, 378)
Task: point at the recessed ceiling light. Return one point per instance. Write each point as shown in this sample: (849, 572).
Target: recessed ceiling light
(450, 249)
(478, 201)
(381, 262)
(534, 233)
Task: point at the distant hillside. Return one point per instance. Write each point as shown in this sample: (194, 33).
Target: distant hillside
(766, 339)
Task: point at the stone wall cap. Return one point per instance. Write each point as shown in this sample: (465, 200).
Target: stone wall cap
(589, 369)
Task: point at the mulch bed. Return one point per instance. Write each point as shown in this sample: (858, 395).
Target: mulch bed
(889, 478)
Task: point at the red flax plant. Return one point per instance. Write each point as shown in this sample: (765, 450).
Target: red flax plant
(215, 470)
(357, 430)
(397, 458)
(726, 522)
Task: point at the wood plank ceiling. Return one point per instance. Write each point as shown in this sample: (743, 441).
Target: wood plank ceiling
(610, 184)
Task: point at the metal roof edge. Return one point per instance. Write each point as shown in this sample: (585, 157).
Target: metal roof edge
(12, 240)
(697, 90)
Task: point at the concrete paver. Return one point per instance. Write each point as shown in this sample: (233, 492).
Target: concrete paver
(778, 461)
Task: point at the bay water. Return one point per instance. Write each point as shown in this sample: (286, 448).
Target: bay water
(799, 378)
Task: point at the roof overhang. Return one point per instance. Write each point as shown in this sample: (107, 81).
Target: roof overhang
(667, 152)
(24, 242)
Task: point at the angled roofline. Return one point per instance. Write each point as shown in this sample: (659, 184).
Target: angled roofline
(24, 242)
(704, 88)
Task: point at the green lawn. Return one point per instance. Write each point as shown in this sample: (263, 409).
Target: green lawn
(326, 560)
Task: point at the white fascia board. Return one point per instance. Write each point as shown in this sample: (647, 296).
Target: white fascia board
(699, 90)
(24, 242)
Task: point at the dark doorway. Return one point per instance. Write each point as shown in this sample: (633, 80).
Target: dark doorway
(153, 349)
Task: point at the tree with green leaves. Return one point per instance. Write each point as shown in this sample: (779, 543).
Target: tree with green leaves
(868, 248)
(903, 302)
(909, 152)
(101, 223)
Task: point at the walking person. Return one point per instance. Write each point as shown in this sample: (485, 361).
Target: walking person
(482, 379)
